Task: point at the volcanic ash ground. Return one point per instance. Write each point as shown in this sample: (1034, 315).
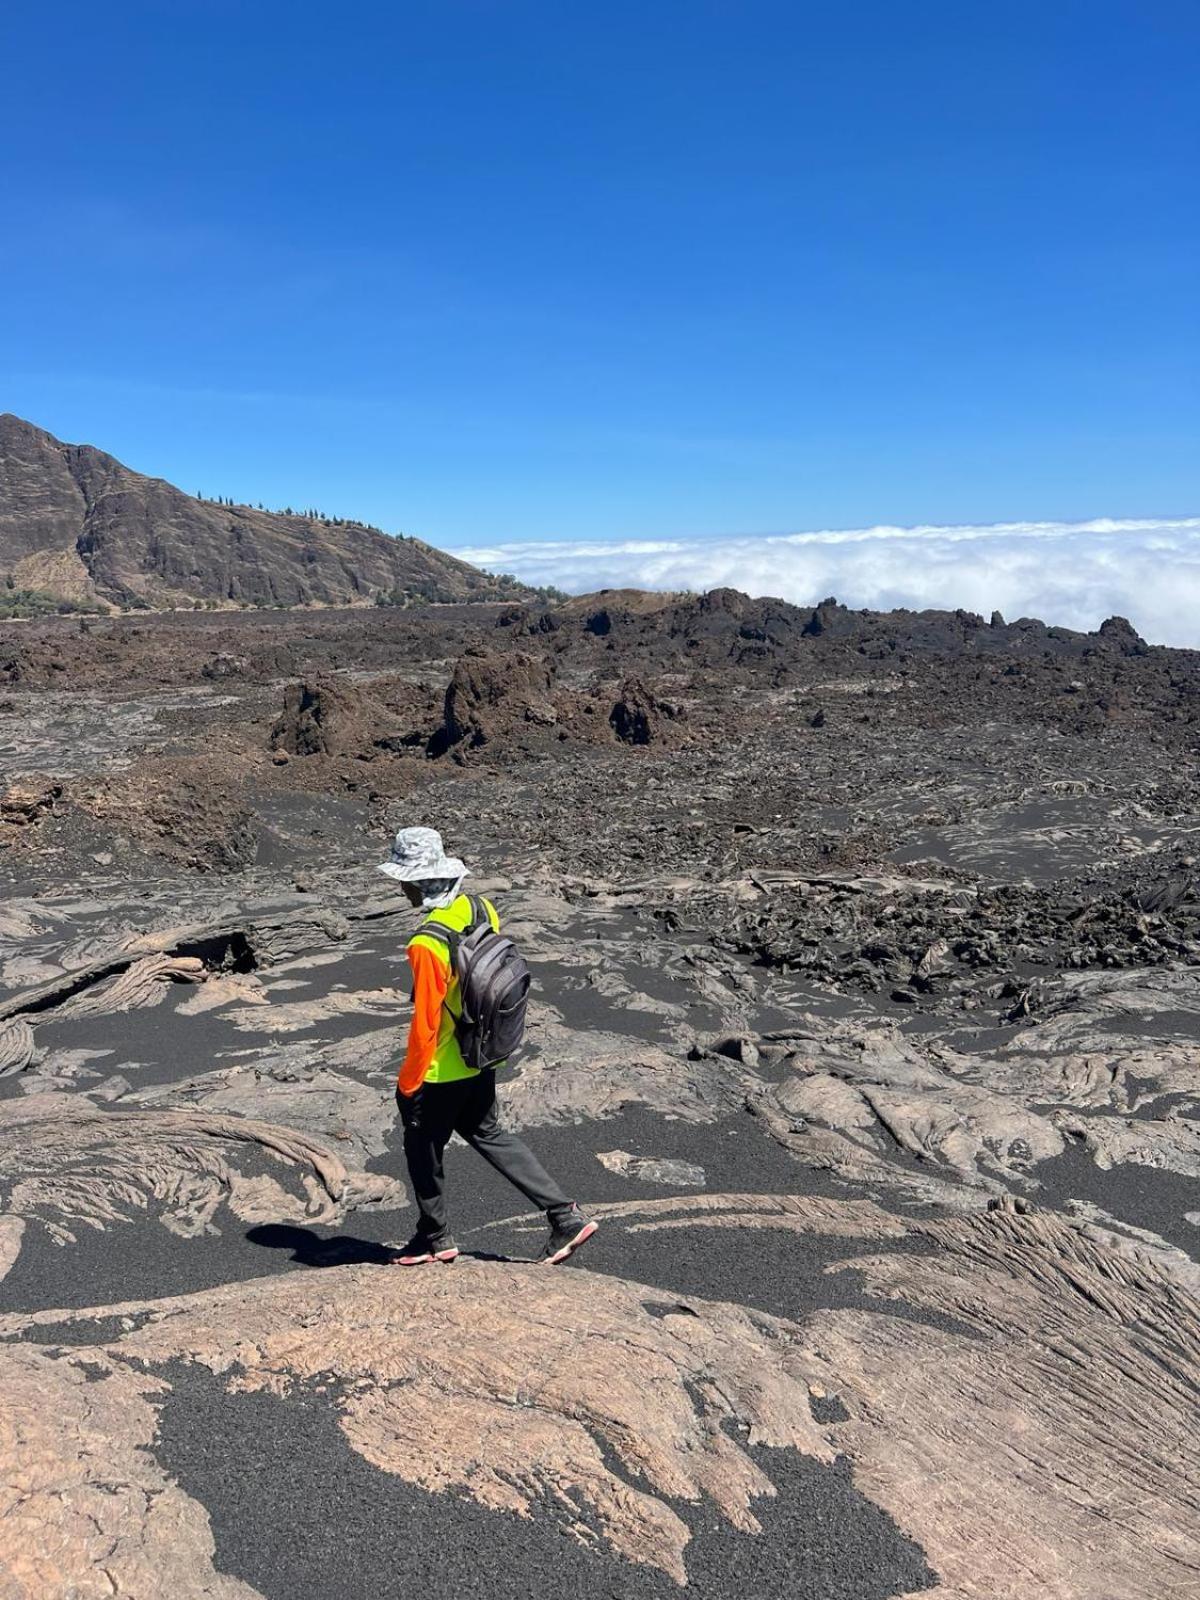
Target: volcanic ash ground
(867, 1023)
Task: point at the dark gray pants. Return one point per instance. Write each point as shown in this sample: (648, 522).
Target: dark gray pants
(466, 1107)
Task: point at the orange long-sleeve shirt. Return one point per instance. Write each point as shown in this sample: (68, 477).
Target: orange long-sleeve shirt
(431, 980)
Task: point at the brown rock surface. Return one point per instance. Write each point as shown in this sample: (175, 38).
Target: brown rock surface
(85, 1510)
(27, 801)
(335, 717)
(187, 809)
(639, 717)
(494, 697)
(1040, 1441)
(497, 1407)
(1058, 1400)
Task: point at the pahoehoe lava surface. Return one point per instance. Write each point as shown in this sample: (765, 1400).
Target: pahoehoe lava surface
(867, 952)
(821, 1539)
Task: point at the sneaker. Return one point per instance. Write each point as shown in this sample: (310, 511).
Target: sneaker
(567, 1235)
(419, 1252)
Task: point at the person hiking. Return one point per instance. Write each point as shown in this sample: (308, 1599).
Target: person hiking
(438, 1090)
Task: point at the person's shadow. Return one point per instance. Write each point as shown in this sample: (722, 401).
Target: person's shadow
(309, 1249)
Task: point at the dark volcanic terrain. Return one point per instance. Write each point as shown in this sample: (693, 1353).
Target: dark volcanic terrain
(867, 1021)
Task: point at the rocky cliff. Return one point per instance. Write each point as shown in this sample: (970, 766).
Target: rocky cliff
(78, 525)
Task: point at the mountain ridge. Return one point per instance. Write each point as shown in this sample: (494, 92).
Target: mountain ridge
(80, 527)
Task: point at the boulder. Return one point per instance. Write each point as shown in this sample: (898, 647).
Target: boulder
(334, 717)
(826, 614)
(492, 695)
(1119, 631)
(638, 717)
(28, 800)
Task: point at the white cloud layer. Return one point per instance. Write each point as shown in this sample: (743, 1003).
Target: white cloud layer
(1071, 573)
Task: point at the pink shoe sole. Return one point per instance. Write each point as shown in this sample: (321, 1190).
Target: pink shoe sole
(582, 1237)
(426, 1259)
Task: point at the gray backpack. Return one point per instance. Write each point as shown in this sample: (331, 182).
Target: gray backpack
(493, 987)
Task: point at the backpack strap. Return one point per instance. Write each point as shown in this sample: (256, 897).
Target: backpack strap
(453, 937)
(483, 915)
(447, 936)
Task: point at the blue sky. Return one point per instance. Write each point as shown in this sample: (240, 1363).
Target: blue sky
(501, 272)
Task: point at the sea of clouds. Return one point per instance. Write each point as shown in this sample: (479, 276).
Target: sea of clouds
(1071, 573)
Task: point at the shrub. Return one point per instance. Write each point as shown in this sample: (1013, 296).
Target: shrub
(16, 602)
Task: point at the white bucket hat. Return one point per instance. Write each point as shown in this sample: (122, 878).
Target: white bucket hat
(418, 855)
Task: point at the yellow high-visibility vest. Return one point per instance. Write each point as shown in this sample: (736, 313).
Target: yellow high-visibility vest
(448, 1064)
